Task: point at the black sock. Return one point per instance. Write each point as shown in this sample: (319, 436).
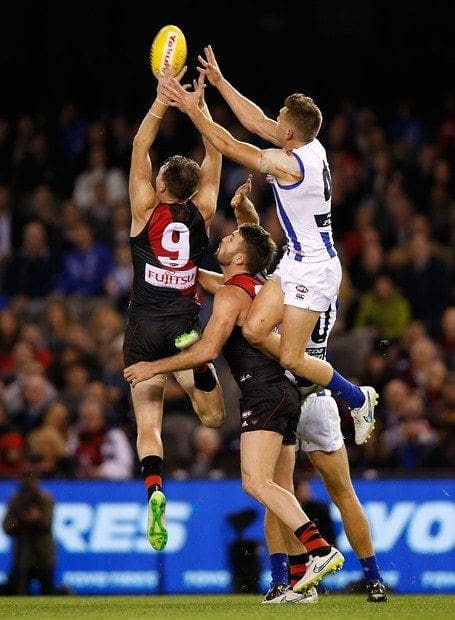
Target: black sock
(204, 379)
(152, 471)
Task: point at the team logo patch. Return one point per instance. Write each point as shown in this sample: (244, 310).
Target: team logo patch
(246, 414)
(301, 288)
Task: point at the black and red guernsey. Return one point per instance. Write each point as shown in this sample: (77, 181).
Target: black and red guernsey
(247, 364)
(166, 255)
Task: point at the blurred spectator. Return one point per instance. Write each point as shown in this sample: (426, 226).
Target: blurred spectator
(423, 280)
(46, 450)
(55, 319)
(364, 269)
(84, 268)
(99, 171)
(207, 460)
(384, 308)
(119, 280)
(411, 442)
(99, 451)
(24, 365)
(36, 392)
(13, 458)
(30, 273)
(57, 416)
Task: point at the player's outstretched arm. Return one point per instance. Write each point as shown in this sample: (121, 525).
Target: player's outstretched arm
(250, 115)
(209, 183)
(187, 101)
(141, 190)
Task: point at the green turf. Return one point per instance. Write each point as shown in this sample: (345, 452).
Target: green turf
(221, 607)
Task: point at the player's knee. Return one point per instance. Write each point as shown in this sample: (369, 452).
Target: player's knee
(252, 335)
(212, 419)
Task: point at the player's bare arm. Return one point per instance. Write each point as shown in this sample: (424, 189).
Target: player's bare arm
(227, 305)
(250, 115)
(209, 184)
(277, 162)
(244, 210)
(210, 281)
(141, 191)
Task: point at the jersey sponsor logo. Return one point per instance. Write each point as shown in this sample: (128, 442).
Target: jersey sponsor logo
(301, 288)
(323, 220)
(245, 377)
(246, 414)
(165, 278)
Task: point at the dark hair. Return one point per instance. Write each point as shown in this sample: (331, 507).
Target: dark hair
(259, 247)
(305, 115)
(181, 176)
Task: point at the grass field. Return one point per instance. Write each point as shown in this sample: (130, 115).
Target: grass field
(221, 607)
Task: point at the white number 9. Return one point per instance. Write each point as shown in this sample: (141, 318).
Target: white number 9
(176, 240)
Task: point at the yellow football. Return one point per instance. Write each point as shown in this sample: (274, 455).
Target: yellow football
(168, 51)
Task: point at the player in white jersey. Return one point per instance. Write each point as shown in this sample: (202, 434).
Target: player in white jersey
(307, 279)
(319, 435)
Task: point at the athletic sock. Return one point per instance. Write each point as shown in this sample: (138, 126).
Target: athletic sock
(297, 567)
(370, 569)
(279, 568)
(152, 471)
(351, 393)
(204, 379)
(311, 538)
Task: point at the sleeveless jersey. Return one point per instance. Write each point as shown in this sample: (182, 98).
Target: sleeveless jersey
(304, 208)
(248, 365)
(166, 255)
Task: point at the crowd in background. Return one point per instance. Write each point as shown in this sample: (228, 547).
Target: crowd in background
(65, 278)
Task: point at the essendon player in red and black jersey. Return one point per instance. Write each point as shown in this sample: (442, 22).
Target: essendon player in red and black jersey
(170, 222)
(269, 403)
(166, 255)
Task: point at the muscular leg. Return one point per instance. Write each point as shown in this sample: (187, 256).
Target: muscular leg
(147, 398)
(280, 538)
(208, 406)
(289, 346)
(258, 477)
(267, 311)
(334, 469)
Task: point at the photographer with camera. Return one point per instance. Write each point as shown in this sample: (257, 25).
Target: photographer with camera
(28, 520)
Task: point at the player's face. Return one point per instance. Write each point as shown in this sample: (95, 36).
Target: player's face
(229, 247)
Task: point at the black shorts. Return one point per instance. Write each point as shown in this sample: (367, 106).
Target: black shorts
(148, 339)
(273, 406)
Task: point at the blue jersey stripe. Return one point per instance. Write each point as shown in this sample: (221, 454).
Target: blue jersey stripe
(328, 244)
(290, 232)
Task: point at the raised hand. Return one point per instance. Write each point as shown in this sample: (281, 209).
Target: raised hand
(210, 66)
(163, 79)
(242, 192)
(181, 98)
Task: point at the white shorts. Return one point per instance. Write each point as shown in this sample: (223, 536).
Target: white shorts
(310, 286)
(319, 426)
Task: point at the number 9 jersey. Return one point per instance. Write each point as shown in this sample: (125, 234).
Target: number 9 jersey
(166, 255)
